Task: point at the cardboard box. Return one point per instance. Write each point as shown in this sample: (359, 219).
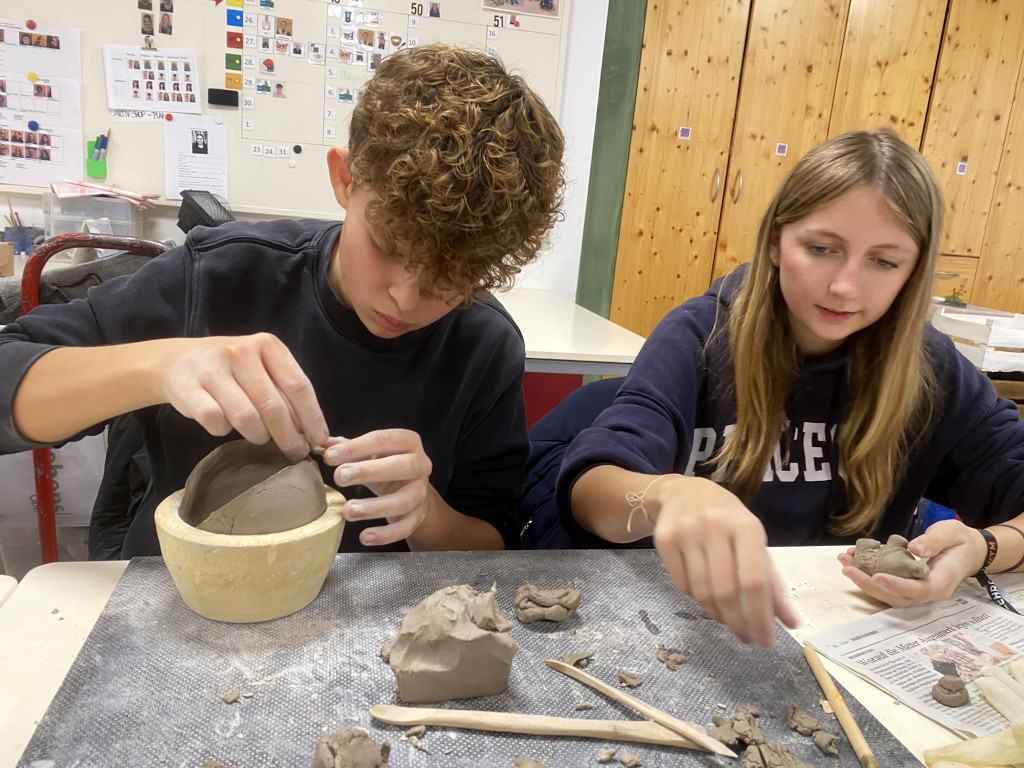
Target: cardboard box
(6, 259)
(992, 340)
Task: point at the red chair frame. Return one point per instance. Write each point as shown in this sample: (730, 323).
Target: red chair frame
(45, 510)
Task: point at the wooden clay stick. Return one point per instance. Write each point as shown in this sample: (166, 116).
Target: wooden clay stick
(835, 700)
(702, 740)
(643, 731)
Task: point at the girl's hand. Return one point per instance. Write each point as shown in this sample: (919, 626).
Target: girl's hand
(716, 551)
(953, 551)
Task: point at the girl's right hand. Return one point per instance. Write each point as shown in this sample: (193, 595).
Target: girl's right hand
(716, 552)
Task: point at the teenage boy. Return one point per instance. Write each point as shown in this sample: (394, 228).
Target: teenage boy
(377, 332)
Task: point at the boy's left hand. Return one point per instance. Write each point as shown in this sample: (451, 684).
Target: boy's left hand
(953, 552)
(392, 464)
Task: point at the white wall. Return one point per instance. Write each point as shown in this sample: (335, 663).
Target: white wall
(556, 270)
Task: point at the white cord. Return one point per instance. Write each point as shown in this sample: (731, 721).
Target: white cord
(636, 504)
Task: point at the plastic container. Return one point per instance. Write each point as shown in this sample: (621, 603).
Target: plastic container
(74, 215)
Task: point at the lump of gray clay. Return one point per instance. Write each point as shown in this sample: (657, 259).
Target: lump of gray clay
(350, 748)
(893, 558)
(826, 742)
(453, 645)
(534, 604)
(801, 722)
(951, 690)
(244, 489)
(771, 755)
(527, 762)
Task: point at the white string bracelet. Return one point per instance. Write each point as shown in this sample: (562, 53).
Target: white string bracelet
(636, 504)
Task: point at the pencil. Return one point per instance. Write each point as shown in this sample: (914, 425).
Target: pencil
(857, 741)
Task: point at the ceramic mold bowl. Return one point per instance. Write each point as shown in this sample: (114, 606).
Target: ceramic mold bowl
(272, 529)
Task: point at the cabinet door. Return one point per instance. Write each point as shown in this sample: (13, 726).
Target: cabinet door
(682, 123)
(1000, 282)
(969, 113)
(888, 64)
(789, 77)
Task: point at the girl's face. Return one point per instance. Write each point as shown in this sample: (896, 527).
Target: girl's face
(841, 267)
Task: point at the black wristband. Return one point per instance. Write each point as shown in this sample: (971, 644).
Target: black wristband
(991, 547)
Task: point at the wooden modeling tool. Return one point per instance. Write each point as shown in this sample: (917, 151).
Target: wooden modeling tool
(701, 740)
(835, 700)
(643, 731)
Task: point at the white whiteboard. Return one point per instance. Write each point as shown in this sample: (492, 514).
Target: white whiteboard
(313, 114)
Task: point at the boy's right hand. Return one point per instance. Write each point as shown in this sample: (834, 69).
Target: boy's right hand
(251, 384)
(715, 550)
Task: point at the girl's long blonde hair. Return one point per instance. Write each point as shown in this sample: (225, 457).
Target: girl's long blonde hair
(890, 380)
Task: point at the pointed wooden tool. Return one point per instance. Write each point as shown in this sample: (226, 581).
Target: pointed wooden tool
(643, 731)
(702, 740)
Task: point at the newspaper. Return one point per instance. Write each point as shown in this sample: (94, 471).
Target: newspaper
(905, 651)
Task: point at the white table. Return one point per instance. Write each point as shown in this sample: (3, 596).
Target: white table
(47, 618)
(563, 337)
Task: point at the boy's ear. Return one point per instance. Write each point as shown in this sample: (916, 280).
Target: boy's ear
(341, 178)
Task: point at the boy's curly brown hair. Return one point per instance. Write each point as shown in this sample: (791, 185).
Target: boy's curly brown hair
(465, 162)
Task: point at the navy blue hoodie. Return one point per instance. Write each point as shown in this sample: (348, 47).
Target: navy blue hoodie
(675, 407)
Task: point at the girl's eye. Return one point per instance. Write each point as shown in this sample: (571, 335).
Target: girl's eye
(818, 250)
(886, 264)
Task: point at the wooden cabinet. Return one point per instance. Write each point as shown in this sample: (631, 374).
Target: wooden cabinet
(954, 276)
(731, 95)
(969, 114)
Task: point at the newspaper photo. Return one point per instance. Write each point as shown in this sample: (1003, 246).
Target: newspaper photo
(905, 651)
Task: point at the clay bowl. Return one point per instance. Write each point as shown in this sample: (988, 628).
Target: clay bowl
(248, 578)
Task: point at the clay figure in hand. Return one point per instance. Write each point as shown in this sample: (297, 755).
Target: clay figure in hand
(893, 558)
(453, 645)
(241, 488)
(534, 604)
(350, 748)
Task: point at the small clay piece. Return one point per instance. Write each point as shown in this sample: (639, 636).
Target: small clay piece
(582, 706)
(416, 730)
(771, 756)
(801, 722)
(231, 697)
(350, 748)
(247, 695)
(385, 650)
(951, 690)
(245, 489)
(670, 659)
(893, 558)
(211, 763)
(605, 755)
(415, 742)
(581, 660)
(630, 760)
(743, 728)
(628, 680)
(534, 604)
(826, 742)
(453, 645)
(527, 762)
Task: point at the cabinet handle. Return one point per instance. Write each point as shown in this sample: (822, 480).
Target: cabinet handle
(739, 186)
(718, 180)
(947, 274)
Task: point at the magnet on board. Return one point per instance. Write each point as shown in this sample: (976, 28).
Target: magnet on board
(291, 163)
(32, 77)
(168, 117)
(219, 121)
(297, 149)
(30, 24)
(33, 125)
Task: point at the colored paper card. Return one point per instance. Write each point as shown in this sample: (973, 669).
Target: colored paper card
(233, 61)
(234, 3)
(235, 40)
(233, 81)
(234, 18)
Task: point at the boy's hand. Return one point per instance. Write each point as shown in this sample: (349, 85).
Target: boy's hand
(392, 464)
(953, 550)
(715, 551)
(248, 383)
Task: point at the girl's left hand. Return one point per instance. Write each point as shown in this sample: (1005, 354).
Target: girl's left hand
(953, 552)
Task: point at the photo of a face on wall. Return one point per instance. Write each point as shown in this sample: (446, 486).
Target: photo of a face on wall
(548, 8)
(199, 142)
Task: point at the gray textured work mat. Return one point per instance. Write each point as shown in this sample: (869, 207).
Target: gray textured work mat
(146, 688)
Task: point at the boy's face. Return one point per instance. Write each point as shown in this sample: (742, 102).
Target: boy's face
(387, 297)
